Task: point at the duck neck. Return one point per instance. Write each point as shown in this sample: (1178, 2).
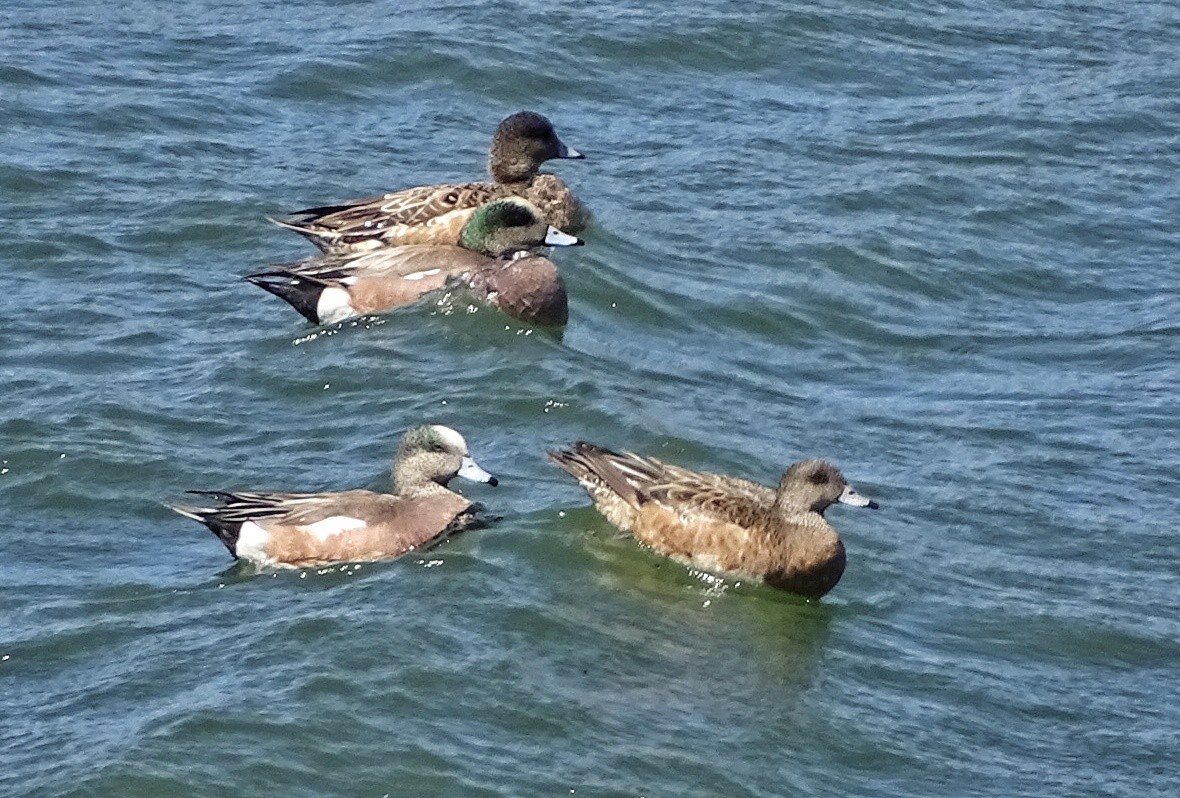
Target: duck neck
(789, 508)
(474, 235)
(512, 171)
(411, 482)
(804, 526)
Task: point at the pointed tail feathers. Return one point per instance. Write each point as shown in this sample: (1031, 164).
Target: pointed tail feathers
(298, 291)
(598, 469)
(226, 530)
(323, 239)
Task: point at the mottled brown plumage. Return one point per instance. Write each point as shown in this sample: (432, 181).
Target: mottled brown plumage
(495, 264)
(301, 529)
(436, 214)
(720, 523)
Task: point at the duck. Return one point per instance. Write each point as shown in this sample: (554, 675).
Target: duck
(721, 524)
(436, 214)
(297, 530)
(494, 259)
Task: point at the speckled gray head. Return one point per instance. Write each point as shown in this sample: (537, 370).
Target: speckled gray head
(435, 454)
(816, 485)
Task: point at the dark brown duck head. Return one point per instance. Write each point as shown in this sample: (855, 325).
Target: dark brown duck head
(432, 455)
(521, 144)
(813, 486)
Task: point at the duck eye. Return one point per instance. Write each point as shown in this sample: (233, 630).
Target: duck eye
(516, 216)
(818, 478)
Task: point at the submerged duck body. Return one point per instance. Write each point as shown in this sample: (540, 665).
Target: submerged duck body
(305, 529)
(722, 524)
(495, 261)
(437, 214)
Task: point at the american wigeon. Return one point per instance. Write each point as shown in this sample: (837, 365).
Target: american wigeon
(723, 524)
(493, 260)
(436, 214)
(302, 529)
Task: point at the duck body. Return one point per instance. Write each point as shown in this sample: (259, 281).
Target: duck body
(303, 529)
(496, 260)
(717, 523)
(436, 214)
(428, 214)
(330, 288)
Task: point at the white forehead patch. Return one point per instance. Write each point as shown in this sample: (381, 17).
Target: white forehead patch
(451, 438)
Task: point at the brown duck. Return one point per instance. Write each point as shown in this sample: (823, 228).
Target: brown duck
(436, 214)
(719, 523)
(303, 529)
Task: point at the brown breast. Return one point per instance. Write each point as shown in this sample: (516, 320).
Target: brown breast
(530, 289)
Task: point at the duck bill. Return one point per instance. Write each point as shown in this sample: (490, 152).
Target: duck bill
(849, 496)
(471, 470)
(569, 152)
(556, 238)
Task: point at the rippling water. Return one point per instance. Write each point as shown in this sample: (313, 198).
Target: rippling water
(935, 243)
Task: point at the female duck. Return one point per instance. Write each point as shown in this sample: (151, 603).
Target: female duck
(303, 529)
(493, 260)
(436, 214)
(719, 523)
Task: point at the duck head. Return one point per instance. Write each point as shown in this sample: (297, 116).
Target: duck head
(814, 485)
(521, 144)
(502, 227)
(435, 454)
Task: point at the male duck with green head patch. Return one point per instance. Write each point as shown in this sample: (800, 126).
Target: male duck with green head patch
(496, 259)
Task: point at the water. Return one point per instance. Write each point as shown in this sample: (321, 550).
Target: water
(934, 243)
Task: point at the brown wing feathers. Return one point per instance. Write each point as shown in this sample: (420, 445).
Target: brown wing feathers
(624, 474)
(364, 219)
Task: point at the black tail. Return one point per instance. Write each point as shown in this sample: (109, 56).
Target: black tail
(299, 292)
(226, 531)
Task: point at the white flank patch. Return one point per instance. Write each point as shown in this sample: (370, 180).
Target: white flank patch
(452, 438)
(420, 275)
(334, 305)
(251, 543)
(333, 525)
